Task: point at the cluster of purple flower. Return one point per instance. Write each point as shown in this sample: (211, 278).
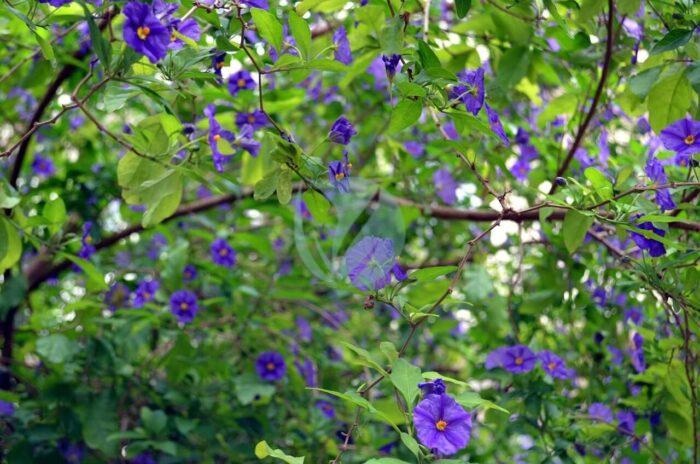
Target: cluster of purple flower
(442, 424)
(371, 262)
(528, 153)
(244, 141)
(151, 30)
(519, 359)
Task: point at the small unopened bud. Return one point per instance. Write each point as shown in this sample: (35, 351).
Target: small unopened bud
(369, 302)
(560, 181)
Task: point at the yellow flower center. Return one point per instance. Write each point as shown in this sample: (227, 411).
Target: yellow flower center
(184, 306)
(223, 252)
(217, 137)
(219, 65)
(551, 365)
(441, 425)
(146, 296)
(88, 239)
(173, 38)
(241, 82)
(340, 176)
(519, 361)
(143, 32)
(689, 140)
(251, 118)
(270, 366)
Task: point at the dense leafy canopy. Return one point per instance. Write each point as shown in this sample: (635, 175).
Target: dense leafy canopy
(379, 232)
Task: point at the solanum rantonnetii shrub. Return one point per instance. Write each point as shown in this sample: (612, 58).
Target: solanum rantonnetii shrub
(351, 232)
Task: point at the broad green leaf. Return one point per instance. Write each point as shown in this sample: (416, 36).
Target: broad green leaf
(266, 186)
(10, 244)
(95, 277)
(575, 227)
(405, 114)
(512, 67)
(9, 197)
(406, 378)
(641, 83)
(427, 56)
(263, 450)
(435, 375)
(268, 27)
(602, 186)
(462, 7)
(301, 33)
(668, 100)
(431, 273)
(674, 39)
(472, 400)
(55, 213)
(365, 357)
(56, 348)
(411, 444)
(284, 186)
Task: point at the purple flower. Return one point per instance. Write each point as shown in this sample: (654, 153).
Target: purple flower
(144, 458)
(218, 61)
(240, 80)
(643, 125)
(496, 125)
(308, 371)
(634, 314)
(415, 149)
(6, 408)
(216, 133)
(435, 387)
(304, 328)
(270, 366)
(522, 137)
(553, 365)
(43, 166)
(183, 304)
(301, 208)
(369, 263)
(445, 186)
(632, 29)
(637, 353)
(683, 137)
(117, 296)
(256, 119)
(391, 64)
(399, 272)
(655, 170)
(600, 412)
(516, 359)
(341, 131)
(87, 249)
(262, 4)
(222, 253)
(339, 174)
(442, 425)
(73, 453)
(471, 90)
(144, 32)
(189, 28)
(626, 422)
(145, 292)
(553, 44)
(616, 355)
(654, 247)
(342, 46)
(56, 3)
(189, 273)
(326, 408)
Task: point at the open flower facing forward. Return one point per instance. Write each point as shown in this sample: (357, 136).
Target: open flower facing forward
(517, 359)
(442, 424)
(222, 253)
(554, 365)
(240, 80)
(339, 174)
(369, 263)
(144, 32)
(270, 366)
(183, 304)
(145, 292)
(683, 137)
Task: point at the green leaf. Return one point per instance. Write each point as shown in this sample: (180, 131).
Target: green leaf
(12, 292)
(55, 213)
(8, 195)
(641, 83)
(99, 44)
(269, 28)
(263, 450)
(674, 39)
(405, 114)
(284, 186)
(602, 186)
(366, 358)
(100, 421)
(406, 378)
(574, 229)
(318, 206)
(431, 273)
(10, 244)
(411, 444)
(512, 67)
(668, 100)
(435, 375)
(56, 348)
(266, 186)
(162, 198)
(471, 400)
(95, 277)
(301, 33)
(248, 388)
(155, 421)
(462, 7)
(427, 56)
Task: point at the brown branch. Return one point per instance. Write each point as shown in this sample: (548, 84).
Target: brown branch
(596, 97)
